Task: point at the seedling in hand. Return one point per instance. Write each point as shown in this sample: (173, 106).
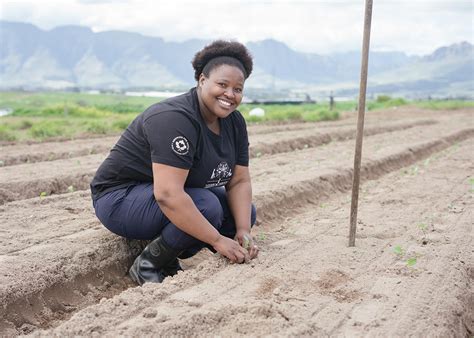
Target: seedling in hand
(246, 242)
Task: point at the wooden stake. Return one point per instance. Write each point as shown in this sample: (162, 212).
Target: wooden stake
(360, 121)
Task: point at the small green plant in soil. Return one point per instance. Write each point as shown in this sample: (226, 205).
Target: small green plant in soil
(401, 254)
(398, 250)
(423, 227)
(246, 242)
(411, 261)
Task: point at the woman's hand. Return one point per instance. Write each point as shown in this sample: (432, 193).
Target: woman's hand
(231, 249)
(245, 239)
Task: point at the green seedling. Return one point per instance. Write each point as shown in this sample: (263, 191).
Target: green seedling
(398, 250)
(427, 161)
(43, 194)
(323, 205)
(471, 182)
(412, 171)
(71, 188)
(262, 236)
(422, 226)
(246, 242)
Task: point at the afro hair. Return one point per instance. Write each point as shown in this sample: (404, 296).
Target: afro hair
(218, 48)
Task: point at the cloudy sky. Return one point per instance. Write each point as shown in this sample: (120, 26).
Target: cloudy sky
(319, 26)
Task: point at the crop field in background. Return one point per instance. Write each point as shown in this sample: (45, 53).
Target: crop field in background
(41, 116)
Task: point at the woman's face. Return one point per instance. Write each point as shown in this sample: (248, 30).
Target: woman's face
(222, 91)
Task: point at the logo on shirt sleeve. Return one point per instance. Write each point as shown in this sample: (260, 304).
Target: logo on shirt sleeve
(180, 145)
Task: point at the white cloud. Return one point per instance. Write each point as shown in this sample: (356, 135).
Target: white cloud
(414, 26)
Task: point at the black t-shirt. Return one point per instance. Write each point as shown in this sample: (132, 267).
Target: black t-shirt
(173, 132)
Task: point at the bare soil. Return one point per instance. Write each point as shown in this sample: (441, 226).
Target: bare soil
(410, 273)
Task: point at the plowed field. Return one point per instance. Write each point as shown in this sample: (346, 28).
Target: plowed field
(411, 272)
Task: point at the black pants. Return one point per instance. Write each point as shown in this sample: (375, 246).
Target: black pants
(133, 213)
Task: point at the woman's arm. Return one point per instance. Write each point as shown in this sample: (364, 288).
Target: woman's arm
(239, 197)
(177, 205)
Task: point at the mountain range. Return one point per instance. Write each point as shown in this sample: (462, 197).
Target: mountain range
(77, 57)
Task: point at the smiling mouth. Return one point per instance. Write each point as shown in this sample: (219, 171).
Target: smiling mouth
(224, 103)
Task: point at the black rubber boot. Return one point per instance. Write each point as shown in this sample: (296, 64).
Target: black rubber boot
(156, 262)
(172, 268)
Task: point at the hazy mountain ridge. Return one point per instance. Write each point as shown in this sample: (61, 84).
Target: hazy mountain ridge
(74, 56)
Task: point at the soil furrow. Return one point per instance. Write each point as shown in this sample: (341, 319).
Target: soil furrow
(307, 282)
(71, 174)
(71, 217)
(50, 151)
(314, 138)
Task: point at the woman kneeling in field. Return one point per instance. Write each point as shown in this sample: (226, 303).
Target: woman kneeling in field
(179, 173)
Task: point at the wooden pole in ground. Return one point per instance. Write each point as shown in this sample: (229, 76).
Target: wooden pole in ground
(360, 121)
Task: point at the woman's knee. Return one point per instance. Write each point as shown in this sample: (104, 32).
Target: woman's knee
(208, 205)
(106, 209)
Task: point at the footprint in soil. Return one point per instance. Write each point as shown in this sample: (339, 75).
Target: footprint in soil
(329, 282)
(267, 286)
(332, 278)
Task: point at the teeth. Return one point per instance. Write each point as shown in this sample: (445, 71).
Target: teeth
(224, 102)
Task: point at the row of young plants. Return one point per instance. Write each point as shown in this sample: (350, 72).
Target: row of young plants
(42, 116)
